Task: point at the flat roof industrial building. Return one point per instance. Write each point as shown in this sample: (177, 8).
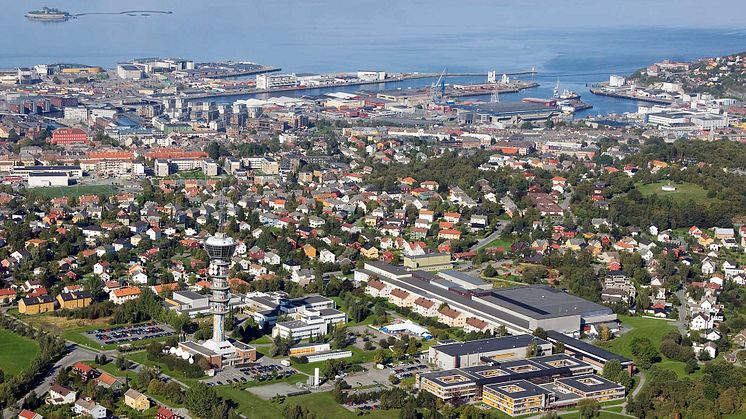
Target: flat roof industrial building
(519, 309)
(476, 352)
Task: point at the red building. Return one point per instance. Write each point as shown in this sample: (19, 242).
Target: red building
(67, 136)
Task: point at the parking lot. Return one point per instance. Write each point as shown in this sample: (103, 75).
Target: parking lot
(242, 374)
(127, 334)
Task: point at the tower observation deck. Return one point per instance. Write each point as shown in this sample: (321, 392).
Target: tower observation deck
(220, 249)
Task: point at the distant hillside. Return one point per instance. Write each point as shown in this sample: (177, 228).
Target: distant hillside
(721, 76)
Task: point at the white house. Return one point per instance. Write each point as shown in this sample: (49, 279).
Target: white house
(61, 395)
(139, 278)
(325, 256)
(708, 266)
(708, 347)
(701, 322)
(90, 408)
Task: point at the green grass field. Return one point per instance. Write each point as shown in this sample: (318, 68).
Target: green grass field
(322, 404)
(683, 192)
(359, 356)
(74, 191)
(142, 358)
(505, 244)
(653, 329)
(16, 352)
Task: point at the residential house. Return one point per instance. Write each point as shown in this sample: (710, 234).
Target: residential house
(369, 251)
(109, 381)
(325, 256)
(451, 317)
(74, 299)
(29, 414)
(90, 408)
(7, 296)
(425, 307)
(136, 400)
(122, 295)
(165, 413)
(61, 395)
(701, 322)
(36, 305)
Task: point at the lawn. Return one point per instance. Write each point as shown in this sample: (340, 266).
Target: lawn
(505, 244)
(683, 192)
(653, 329)
(16, 352)
(359, 356)
(142, 358)
(322, 404)
(74, 191)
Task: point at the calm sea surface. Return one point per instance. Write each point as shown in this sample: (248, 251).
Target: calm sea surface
(577, 42)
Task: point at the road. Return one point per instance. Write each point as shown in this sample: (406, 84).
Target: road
(682, 323)
(75, 353)
(493, 236)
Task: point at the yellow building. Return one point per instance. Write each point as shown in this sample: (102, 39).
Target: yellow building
(303, 349)
(36, 305)
(369, 251)
(429, 262)
(136, 400)
(515, 398)
(80, 70)
(74, 299)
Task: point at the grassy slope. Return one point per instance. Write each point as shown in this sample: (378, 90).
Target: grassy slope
(653, 329)
(322, 404)
(16, 352)
(74, 191)
(683, 192)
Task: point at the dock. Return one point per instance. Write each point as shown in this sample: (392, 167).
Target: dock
(395, 79)
(659, 101)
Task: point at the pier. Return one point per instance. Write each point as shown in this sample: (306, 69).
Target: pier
(395, 79)
(602, 92)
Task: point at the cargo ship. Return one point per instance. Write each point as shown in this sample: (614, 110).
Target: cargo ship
(47, 14)
(565, 95)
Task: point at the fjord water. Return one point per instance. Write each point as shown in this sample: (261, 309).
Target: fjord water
(579, 42)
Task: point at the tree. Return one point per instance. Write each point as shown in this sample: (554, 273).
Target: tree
(490, 271)
(604, 333)
(612, 370)
(200, 399)
(409, 410)
(540, 333)
(729, 401)
(691, 366)
(589, 408)
(501, 331)
(332, 368)
(532, 350)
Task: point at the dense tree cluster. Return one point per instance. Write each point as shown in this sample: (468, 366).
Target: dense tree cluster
(720, 391)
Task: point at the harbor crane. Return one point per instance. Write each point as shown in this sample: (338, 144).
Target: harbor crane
(438, 89)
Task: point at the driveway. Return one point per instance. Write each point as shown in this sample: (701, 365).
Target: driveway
(682, 323)
(75, 354)
(494, 235)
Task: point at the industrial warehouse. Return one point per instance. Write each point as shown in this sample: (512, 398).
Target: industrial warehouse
(478, 352)
(519, 310)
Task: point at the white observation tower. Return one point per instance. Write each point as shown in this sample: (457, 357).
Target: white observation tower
(220, 249)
